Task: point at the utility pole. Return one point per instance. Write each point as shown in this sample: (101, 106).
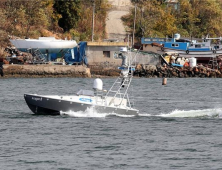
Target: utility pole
(134, 25)
(93, 15)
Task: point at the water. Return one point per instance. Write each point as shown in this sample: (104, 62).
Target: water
(179, 127)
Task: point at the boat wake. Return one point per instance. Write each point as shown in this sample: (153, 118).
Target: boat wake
(194, 113)
(91, 113)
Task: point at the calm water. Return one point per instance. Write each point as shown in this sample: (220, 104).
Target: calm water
(179, 127)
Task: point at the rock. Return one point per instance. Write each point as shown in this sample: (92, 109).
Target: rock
(184, 72)
(139, 67)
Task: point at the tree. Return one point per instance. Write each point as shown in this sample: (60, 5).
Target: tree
(193, 18)
(84, 29)
(149, 13)
(70, 12)
(200, 17)
(210, 15)
(165, 25)
(187, 19)
(22, 17)
(32, 14)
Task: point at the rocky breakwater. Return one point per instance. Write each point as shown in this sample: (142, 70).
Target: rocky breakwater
(98, 70)
(46, 71)
(180, 72)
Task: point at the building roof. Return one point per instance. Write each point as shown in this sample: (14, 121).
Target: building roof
(119, 44)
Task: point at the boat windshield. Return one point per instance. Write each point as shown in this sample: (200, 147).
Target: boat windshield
(85, 92)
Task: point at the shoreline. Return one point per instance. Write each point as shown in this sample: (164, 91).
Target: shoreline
(80, 71)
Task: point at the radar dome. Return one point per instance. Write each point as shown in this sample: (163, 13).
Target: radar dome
(177, 36)
(98, 84)
(123, 49)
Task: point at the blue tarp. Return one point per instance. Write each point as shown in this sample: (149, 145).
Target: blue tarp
(77, 54)
(122, 68)
(53, 56)
(176, 65)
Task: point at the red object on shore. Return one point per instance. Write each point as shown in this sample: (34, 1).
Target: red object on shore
(186, 64)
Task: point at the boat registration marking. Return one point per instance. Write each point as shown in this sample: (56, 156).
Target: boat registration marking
(37, 98)
(85, 99)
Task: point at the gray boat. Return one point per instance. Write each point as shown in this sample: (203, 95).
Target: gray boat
(115, 100)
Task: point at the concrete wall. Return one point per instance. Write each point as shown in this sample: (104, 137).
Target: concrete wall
(145, 59)
(96, 54)
(96, 57)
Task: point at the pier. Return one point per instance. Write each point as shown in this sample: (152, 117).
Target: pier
(36, 71)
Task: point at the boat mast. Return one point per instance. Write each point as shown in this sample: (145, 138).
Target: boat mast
(121, 86)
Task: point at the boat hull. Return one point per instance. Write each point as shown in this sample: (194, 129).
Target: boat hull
(197, 54)
(45, 46)
(48, 106)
